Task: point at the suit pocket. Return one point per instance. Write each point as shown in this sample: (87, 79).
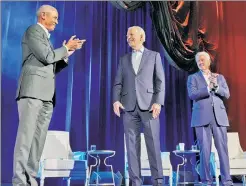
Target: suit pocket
(150, 90)
(40, 73)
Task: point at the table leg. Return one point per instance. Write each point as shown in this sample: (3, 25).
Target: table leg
(194, 172)
(91, 166)
(183, 162)
(98, 165)
(111, 167)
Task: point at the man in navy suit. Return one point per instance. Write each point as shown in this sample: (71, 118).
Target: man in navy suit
(139, 91)
(209, 117)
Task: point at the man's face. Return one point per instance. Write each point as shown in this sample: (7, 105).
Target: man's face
(202, 63)
(134, 38)
(50, 19)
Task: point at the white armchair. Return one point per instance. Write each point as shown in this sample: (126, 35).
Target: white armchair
(58, 160)
(145, 168)
(237, 158)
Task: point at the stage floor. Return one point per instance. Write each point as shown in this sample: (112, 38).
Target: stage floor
(9, 184)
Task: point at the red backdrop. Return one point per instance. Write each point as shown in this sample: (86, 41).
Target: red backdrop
(231, 62)
(225, 26)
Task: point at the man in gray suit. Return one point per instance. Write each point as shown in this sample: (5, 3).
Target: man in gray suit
(209, 117)
(36, 92)
(139, 91)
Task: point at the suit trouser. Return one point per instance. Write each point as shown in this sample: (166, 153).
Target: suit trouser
(132, 128)
(204, 136)
(34, 119)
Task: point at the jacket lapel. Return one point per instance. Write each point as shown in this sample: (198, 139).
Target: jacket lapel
(48, 41)
(202, 78)
(50, 44)
(45, 36)
(144, 59)
(129, 59)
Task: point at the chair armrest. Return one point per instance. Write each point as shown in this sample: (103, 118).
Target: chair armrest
(240, 156)
(165, 158)
(163, 154)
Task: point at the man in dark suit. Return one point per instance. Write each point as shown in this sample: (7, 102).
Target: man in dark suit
(209, 117)
(36, 92)
(139, 91)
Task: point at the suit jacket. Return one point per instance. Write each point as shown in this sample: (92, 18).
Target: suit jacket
(205, 102)
(146, 87)
(40, 64)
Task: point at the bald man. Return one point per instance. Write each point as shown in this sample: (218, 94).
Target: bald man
(36, 92)
(139, 91)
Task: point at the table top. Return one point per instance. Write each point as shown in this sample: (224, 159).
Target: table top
(101, 152)
(186, 151)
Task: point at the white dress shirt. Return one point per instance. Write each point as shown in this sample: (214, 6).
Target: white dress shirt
(206, 77)
(136, 59)
(45, 29)
(48, 34)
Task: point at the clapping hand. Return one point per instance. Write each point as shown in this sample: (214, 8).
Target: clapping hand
(213, 81)
(74, 43)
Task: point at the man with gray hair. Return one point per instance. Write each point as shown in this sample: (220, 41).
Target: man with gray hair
(36, 92)
(209, 117)
(139, 89)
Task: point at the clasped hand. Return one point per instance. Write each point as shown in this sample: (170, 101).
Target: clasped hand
(213, 81)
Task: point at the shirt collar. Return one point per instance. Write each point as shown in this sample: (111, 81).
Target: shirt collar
(205, 74)
(45, 29)
(140, 50)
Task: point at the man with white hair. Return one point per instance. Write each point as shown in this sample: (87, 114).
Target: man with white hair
(209, 117)
(36, 92)
(139, 90)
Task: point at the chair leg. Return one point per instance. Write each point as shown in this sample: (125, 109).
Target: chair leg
(41, 181)
(217, 180)
(68, 181)
(171, 179)
(244, 180)
(127, 181)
